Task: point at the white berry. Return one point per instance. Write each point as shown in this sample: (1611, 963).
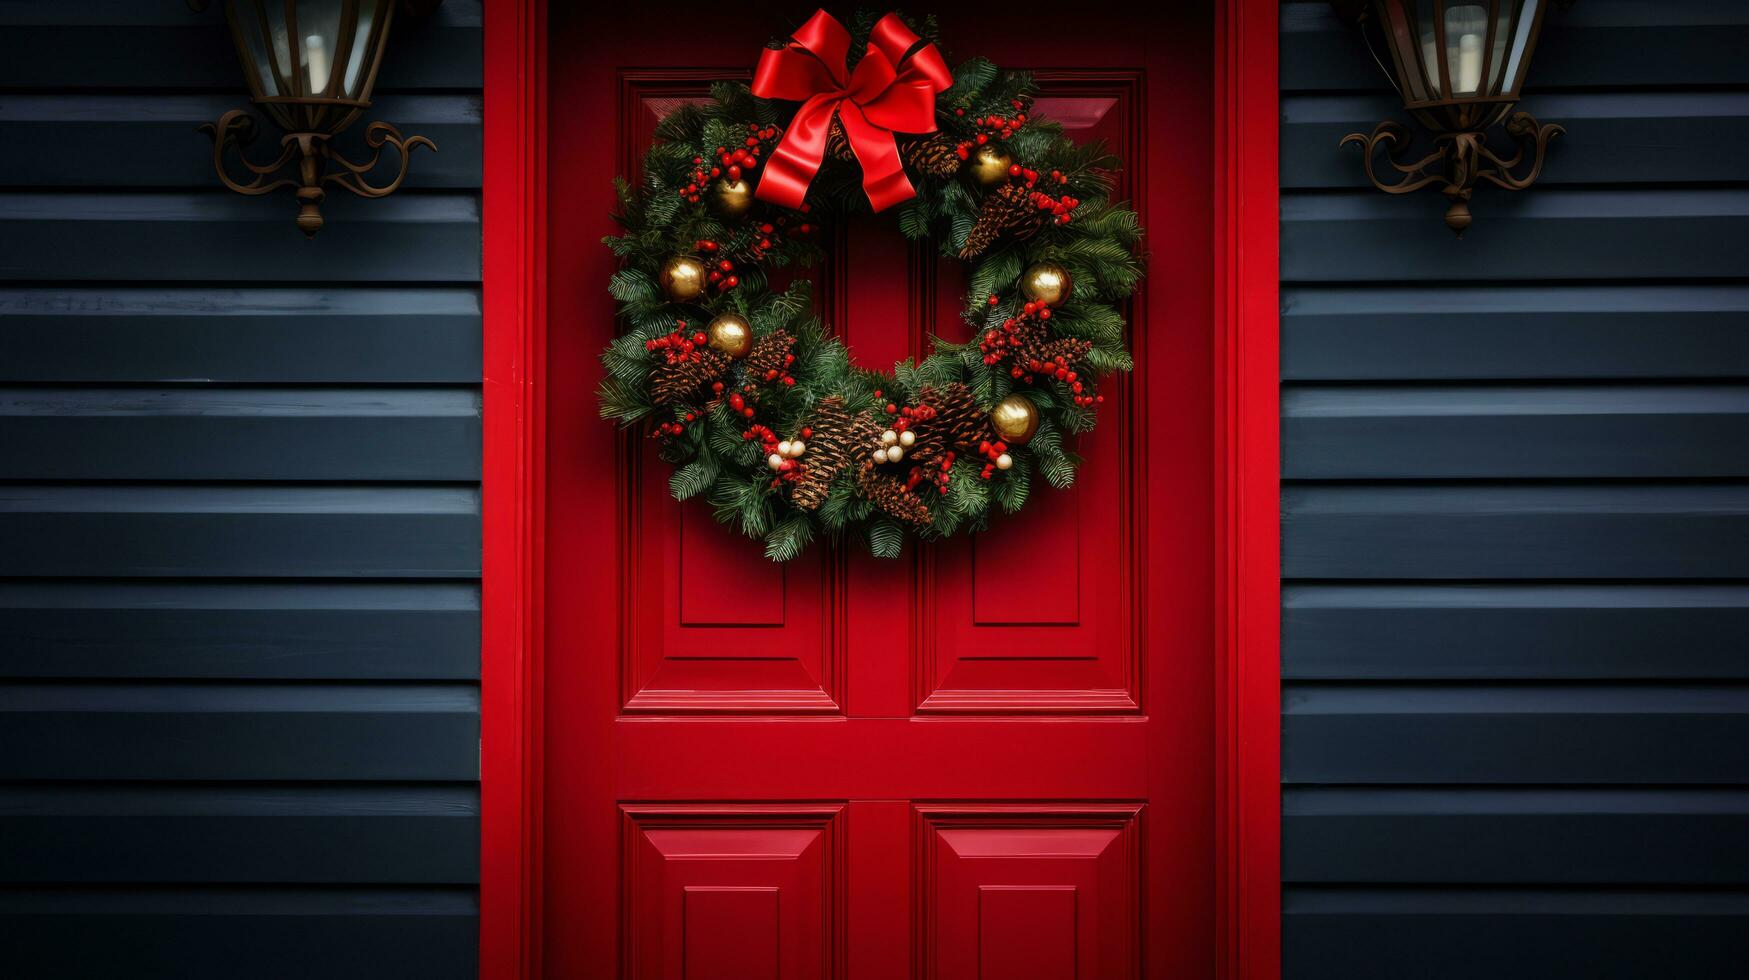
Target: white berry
(797, 448)
(907, 437)
(889, 437)
(1004, 461)
(894, 454)
(783, 448)
(774, 461)
(880, 455)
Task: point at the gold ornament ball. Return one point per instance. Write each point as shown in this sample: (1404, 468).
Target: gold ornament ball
(989, 166)
(1047, 283)
(731, 198)
(682, 278)
(731, 334)
(1015, 420)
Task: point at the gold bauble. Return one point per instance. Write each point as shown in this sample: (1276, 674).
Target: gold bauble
(731, 198)
(1047, 283)
(1015, 419)
(731, 334)
(990, 165)
(682, 278)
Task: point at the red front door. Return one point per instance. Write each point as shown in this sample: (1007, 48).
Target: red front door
(991, 758)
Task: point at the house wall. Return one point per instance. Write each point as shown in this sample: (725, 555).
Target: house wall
(239, 531)
(1515, 525)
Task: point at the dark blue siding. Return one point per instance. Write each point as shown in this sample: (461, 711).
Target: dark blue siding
(1516, 522)
(239, 521)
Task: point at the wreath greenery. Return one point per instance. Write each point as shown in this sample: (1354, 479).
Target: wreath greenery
(763, 411)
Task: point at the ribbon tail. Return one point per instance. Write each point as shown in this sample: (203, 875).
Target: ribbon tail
(883, 173)
(792, 166)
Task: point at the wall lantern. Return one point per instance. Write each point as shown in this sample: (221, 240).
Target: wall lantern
(310, 66)
(1458, 64)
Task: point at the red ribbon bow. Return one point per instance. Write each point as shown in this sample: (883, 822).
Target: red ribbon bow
(887, 93)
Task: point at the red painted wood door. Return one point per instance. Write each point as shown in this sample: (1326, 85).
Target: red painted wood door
(992, 758)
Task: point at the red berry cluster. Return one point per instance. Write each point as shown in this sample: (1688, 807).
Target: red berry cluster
(668, 430)
(999, 343)
(993, 127)
(737, 160)
(736, 401)
(1060, 207)
(790, 470)
(939, 477)
(991, 451)
(732, 162)
(722, 271)
(997, 340)
(781, 375)
(909, 415)
(678, 346)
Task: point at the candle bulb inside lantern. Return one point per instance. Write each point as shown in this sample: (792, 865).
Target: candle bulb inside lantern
(1465, 26)
(317, 56)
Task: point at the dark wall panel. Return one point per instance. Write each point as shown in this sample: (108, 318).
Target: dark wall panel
(239, 518)
(1515, 523)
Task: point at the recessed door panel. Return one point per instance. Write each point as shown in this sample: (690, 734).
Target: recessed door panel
(1029, 891)
(726, 892)
(714, 627)
(1041, 615)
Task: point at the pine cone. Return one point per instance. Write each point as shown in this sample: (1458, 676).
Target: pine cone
(957, 426)
(1009, 208)
(890, 496)
(1037, 347)
(934, 156)
(1070, 349)
(838, 144)
(836, 437)
(683, 379)
(770, 354)
(959, 420)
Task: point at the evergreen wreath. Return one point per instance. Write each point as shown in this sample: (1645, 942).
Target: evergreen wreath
(761, 408)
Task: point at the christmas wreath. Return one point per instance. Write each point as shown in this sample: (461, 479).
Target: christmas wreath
(757, 404)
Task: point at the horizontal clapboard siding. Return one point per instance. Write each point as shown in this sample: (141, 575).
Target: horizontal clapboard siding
(245, 833)
(1515, 522)
(1496, 836)
(239, 518)
(1459, 332)
(242, 335)
(1523, 631)
(239, 630)
(355, 933)
(175, 731)
(219, 236)
(1462, 934)
(164, 149)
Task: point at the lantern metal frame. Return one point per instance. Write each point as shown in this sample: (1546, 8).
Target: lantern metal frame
(1460, 123)
(310, 119)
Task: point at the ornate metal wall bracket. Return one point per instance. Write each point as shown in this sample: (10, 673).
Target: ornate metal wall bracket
(1458, 162)
(319, 165)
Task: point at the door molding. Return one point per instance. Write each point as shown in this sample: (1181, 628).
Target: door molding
(1248, 489)
(513, 306)
(1247, 555)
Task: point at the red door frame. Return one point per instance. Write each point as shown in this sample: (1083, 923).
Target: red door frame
(1247, 564)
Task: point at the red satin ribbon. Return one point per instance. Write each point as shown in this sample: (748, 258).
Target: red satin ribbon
(887, 93)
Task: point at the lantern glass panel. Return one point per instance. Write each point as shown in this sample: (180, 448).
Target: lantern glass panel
(262, 39)
(357, 64)
(1500, 35)
(1466, 32)
(318, 44)
(1425, 19)
(1527, 18)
